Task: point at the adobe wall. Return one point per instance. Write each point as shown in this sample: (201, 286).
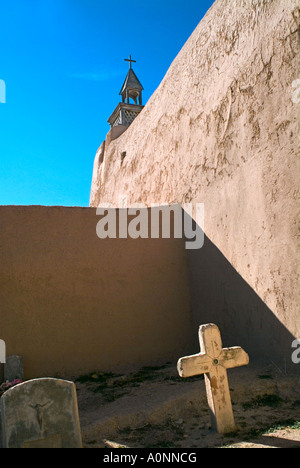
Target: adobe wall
(72, 303)
(223, 129)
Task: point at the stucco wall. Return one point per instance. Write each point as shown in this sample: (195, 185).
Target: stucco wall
(223, 129)
(72, 303)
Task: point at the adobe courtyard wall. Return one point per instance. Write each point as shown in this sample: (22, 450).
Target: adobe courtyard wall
(72, 303)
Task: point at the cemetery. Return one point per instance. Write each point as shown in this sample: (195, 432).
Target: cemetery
(153, 407)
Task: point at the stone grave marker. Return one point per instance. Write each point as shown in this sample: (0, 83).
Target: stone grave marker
(213, 361)
(2, 352)
(41, 413)
(2, 359)
(13, 368)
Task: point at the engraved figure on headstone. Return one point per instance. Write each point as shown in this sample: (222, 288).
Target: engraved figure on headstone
(41, 413)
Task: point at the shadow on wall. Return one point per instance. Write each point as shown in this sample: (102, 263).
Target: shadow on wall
(220, 295)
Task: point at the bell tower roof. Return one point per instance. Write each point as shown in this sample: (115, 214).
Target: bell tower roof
(126, 111)
(131, 82)
(132, 87)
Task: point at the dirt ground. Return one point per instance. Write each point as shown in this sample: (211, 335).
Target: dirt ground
(154, 408)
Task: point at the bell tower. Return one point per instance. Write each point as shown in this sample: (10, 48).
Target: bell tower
(126, 111)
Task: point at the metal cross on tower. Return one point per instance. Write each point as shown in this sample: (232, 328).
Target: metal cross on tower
(130, 60)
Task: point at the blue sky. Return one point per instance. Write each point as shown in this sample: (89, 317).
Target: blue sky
(62, 62)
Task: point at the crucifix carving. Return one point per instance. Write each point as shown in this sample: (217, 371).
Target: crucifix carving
(40, 413)
(130, 61)
(213, 361)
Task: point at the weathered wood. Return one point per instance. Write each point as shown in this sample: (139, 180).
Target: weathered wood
(213, 361)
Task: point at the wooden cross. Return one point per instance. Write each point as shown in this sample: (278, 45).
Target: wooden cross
(130, 61)
(213, 361)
